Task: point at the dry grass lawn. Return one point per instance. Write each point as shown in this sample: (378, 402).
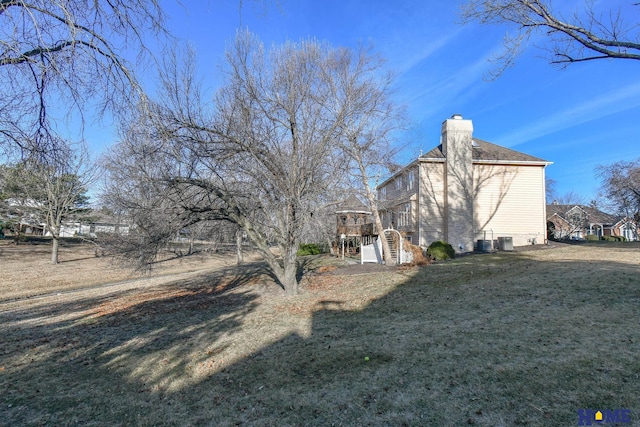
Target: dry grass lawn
(522, 338)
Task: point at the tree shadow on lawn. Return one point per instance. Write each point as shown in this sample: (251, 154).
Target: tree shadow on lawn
(477, 344)
(61, 360)
(500, 341)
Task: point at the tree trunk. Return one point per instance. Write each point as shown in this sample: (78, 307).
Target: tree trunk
(386, 250)
(54, 250)
(239, 246)
(290, 271)
(286, 274)
(330, 244)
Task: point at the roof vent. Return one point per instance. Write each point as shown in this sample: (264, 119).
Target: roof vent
(474, 143)
(457, 117)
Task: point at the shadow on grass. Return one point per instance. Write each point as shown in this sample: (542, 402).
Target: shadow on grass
(59, 360)
(496, 340)
(460, 344)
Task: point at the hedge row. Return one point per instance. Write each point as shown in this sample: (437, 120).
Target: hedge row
(593, 237)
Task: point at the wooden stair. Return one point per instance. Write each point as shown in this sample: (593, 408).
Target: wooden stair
(392, 246)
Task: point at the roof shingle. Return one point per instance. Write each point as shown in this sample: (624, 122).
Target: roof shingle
(486, 151)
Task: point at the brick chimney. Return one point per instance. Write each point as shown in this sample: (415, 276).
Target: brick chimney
(457, 139)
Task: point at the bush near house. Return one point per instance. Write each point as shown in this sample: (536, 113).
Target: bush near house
(440, 250)
(614, 238)
(310, 249)
(592, 237)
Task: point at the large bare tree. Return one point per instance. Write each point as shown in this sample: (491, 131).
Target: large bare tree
(368, 129)
(58, 57)
(621, 186)
(597, 30)
(265, 156)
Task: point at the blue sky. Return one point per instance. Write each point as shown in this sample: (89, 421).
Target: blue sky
(585, 115)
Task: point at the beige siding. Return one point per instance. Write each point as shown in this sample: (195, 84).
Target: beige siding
(402, 185)
(510, 201)
(399, 191)
(431, 202)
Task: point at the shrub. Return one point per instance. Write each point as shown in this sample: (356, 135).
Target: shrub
(440, 250)
(309, 249)
(592, 237)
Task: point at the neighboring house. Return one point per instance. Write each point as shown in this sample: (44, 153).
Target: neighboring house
(579, 221)
(30, 222)
(466, 190)
(91, 229)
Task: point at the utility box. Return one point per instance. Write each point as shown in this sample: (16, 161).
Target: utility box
(484, 246)
(505, 243)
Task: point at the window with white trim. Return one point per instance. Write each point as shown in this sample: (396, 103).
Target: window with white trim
(382, 193)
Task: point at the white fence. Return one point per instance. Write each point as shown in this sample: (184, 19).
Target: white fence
(371, 253)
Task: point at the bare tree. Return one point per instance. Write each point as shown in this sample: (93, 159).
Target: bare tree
(264, 158)
(65, 182)
(570, 197)
(52, 192)
(621, 186)
(60, 56)
(369, 126)
(550, 189)
(598, 31)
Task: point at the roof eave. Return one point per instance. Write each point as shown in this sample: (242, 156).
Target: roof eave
(513, 162)
(353, 211)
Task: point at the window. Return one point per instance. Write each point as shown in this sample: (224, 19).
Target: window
(404, 215)
(410, 179)
(399, 183)
(383, 193)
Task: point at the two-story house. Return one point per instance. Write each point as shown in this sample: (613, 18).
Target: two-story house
(465, 190)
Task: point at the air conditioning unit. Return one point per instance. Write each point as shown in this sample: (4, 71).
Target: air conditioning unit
(484, 246)
(505, 243)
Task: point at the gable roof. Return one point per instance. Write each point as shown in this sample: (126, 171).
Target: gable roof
(487, 151)
(594, 216)
(352, 204)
